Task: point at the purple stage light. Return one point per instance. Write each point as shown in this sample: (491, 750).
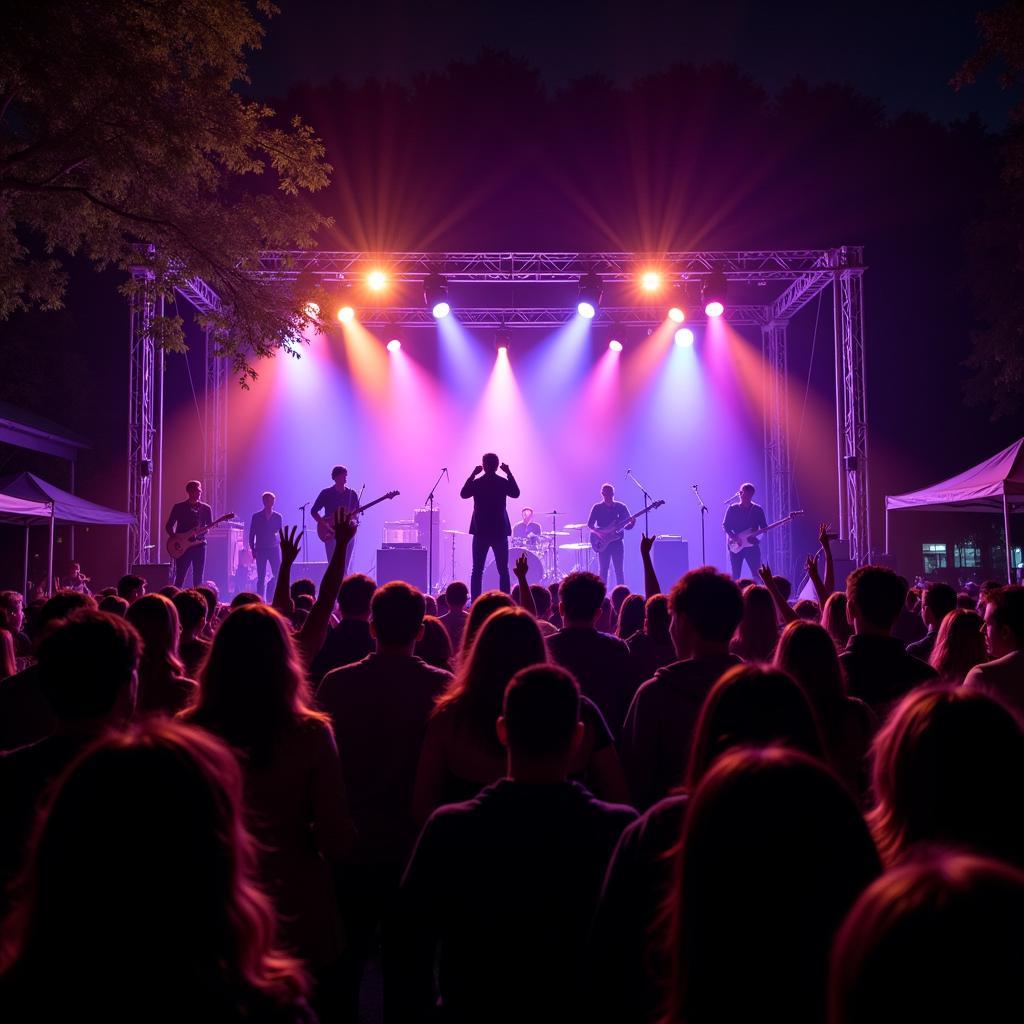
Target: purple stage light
(714, 309)
(615, 345)
(676, 315)
(684, 337)
(586, 310)
(394, 345)
(441, 310)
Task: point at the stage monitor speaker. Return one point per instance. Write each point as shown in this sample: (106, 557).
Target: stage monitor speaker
(309, 571)
(406, 564)
(156, 574)
(671, 560)
(224, 545)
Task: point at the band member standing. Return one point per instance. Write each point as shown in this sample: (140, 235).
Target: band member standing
(332, 498)
(745, 515)
(188, 515)
(490, 524)
(606, 513)
(265, 542)
(526, 532)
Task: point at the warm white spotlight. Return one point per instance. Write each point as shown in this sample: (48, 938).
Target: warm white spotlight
(346, 315)
(615, 345)
(377, 280)
(676, 315)
(394, 345)
(650, 281)
(684, 337)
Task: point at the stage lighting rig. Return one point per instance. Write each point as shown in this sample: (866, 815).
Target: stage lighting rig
(435, 296)
(502, 341)
(589, 300)
(651, 281)
(714, 294)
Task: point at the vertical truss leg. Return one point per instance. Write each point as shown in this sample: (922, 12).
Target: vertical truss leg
(853, 435)
(141, 381)
(215, 450)
(777, 470)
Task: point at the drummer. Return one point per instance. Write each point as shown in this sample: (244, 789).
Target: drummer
(526, 533)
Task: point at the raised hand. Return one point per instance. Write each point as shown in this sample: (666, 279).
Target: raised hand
(646, 543)
(478, 470)
(522, 567)
(504, 468)
(823, 529)
(765, 572)
(812, 565)
(291, 541)
(345, 526)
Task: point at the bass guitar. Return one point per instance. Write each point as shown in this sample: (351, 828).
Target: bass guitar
(605, 535)
(748, 538)
(179, 543)
(325, 528)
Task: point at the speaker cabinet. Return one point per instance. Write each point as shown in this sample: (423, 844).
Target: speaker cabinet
(406, 564)
(156, 574)
(671, 560)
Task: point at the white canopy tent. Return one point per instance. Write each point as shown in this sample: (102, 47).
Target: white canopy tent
(17, 509)
(994, 485)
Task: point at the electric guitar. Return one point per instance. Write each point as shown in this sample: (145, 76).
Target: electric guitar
(605, 535)
(325, 527)
(748, 538)
(179, 543)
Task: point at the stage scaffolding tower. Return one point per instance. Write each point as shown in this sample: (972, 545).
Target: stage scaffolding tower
(805, 273)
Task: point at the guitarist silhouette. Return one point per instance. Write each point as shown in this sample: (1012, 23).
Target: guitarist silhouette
(186, 516)
(332, 498)
(744, 516)
(609, 512)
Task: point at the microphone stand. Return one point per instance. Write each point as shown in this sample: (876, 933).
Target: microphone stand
(305, 551)
(430, 532)
(703, 513)
(647, 501)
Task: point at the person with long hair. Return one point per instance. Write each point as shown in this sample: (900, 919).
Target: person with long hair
(848, 725)
(773, 855)
(8, 666)
(163, 686)
(479, 612)
(758, 631)
(751, 705)
(140, 900)
(461, 751)
(959, 646)
(254, 695)
(949, 769)
(435, 646)
(631, 616)
(835, 621)
(938, 939)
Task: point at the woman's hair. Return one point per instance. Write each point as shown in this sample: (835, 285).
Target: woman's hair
(807, 653)
(949, 769)
(435, 646)
(141, 883)
(8, 665)
(833, 618)
(631, 617)
(156, 619)
(656, 616)
(758, 631)
(252, 686)
(774, 853)
(938, 939)
(959, 646)
(485, 605)
(508, 641)
(752, 706)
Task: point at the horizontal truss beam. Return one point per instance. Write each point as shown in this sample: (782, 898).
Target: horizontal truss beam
(493, 316)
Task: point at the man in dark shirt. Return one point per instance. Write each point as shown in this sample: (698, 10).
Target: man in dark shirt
(746, 515)
(501, 889)
(456, 596)
(599, 661)
(526, 533)
(192, 613)
(265, 542)
(706, 608)
(878, 669)
(380, 706)
(937, 601)
(608, 512)
(490, 524)
(87, 673)
(188, 515)
(329, 500)
(351, 639)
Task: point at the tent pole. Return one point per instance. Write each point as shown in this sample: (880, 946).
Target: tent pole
(887, 528)
(1006, 531)
(71, 554)
(53, 523)
(24, 587)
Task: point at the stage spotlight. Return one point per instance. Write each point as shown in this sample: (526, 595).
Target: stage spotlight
(676, 314)
(589, 296)
(615, 345)
(394, 345)
(377, 280)
(684, 337)
(502, 341)
(714, 294)
(435, 296)
(650, 280)
(346, 314)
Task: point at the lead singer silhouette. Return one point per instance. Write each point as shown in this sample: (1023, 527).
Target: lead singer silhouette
(490, 524)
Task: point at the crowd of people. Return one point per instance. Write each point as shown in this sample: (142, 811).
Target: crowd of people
(705, 804)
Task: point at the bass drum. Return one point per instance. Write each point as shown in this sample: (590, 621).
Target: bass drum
(535, 575)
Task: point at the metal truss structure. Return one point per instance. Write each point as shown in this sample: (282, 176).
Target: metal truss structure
(805, 273)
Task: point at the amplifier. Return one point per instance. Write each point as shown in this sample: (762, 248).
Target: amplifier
(671, 560)
(157, 575)
(307, 571)
(408, 564)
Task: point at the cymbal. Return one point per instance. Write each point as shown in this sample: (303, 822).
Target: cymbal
(579, 546)
(460, 533)
(575, 526)
(555, 533)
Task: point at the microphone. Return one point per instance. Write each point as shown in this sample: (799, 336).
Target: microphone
(447, 477)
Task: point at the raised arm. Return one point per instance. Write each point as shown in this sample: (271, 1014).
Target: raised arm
(310, 638)
(815, 578)
(785, 613)
(467, 487)
(651, 584)
(283, 586)
(830, 569)
(252, 533)
(172, 521)
(512, 488)
(526, 602)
